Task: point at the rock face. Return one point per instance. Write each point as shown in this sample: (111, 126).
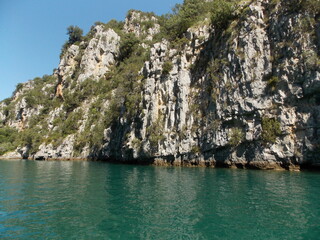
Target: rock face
(100, 54)
(142, 24)
(244, 97)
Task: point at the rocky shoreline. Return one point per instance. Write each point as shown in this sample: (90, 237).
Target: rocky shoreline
(196, 162)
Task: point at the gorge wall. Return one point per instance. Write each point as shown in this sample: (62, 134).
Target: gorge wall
(243, 93)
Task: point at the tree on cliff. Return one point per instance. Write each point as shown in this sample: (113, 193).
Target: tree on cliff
(75, 34)
(183, 16)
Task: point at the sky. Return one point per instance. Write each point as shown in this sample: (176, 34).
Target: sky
(33, 31)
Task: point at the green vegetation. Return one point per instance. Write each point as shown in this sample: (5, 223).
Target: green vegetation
(93, 131)
(272, 83)
(312, 6)
(167, 67)
(155, 133)
(191, 12)
(136, 143)
(214, 73)
(8, 137)
(214, 70)
(19, 87)
(71, 123)
(311, 59)
(40, 94)
(213, 125)
(75, 34)
(145, 21)
(222, 13)
(182, 18)
(32, 138)
(142, 14)
(195, 149)
(236, 136)
(8, 109)
(64, 125)
(117, 26)
(122, 86)
(270, 129)
(127, 45)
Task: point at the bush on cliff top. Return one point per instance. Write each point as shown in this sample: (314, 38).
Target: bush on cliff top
(128, 44)
(75, 34)
(222, 12)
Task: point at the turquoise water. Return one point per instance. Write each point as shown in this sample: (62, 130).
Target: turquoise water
(94, 200)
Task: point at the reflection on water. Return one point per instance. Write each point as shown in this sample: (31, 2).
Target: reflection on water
(82, 200)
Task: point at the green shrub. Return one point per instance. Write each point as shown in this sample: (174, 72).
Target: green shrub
(7, 101)
(128, 84)
(32, 137)
(35, 97)
(147, 24)
(214, 71)
(19, 87)
(270, 129)
(117, 26)
(312, 6)
(64, 126)
(41, 94)
(213, 125)
(9, 112)
(87, 88)
(272, 83)
(222, 13)
(155, 133)
(167, 67)
(179, 44)
(82, 139)
(191, 12)
(71, 124)
(8, 137)
(136, 143)
(128, 44)
(183, 16)
(145, 21)
(195, 149)
(98, 120)
(142, 14)
(97, 136)
(75, 34)
(92, 136)
(71, 101)
(122, 86)
(236, 136)
(311, 59)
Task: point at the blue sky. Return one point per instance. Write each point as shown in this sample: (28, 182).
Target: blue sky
(33, 31)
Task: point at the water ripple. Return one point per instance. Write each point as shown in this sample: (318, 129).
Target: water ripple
(69, 200)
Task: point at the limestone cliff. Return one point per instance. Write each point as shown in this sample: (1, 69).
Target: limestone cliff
(244, 93)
